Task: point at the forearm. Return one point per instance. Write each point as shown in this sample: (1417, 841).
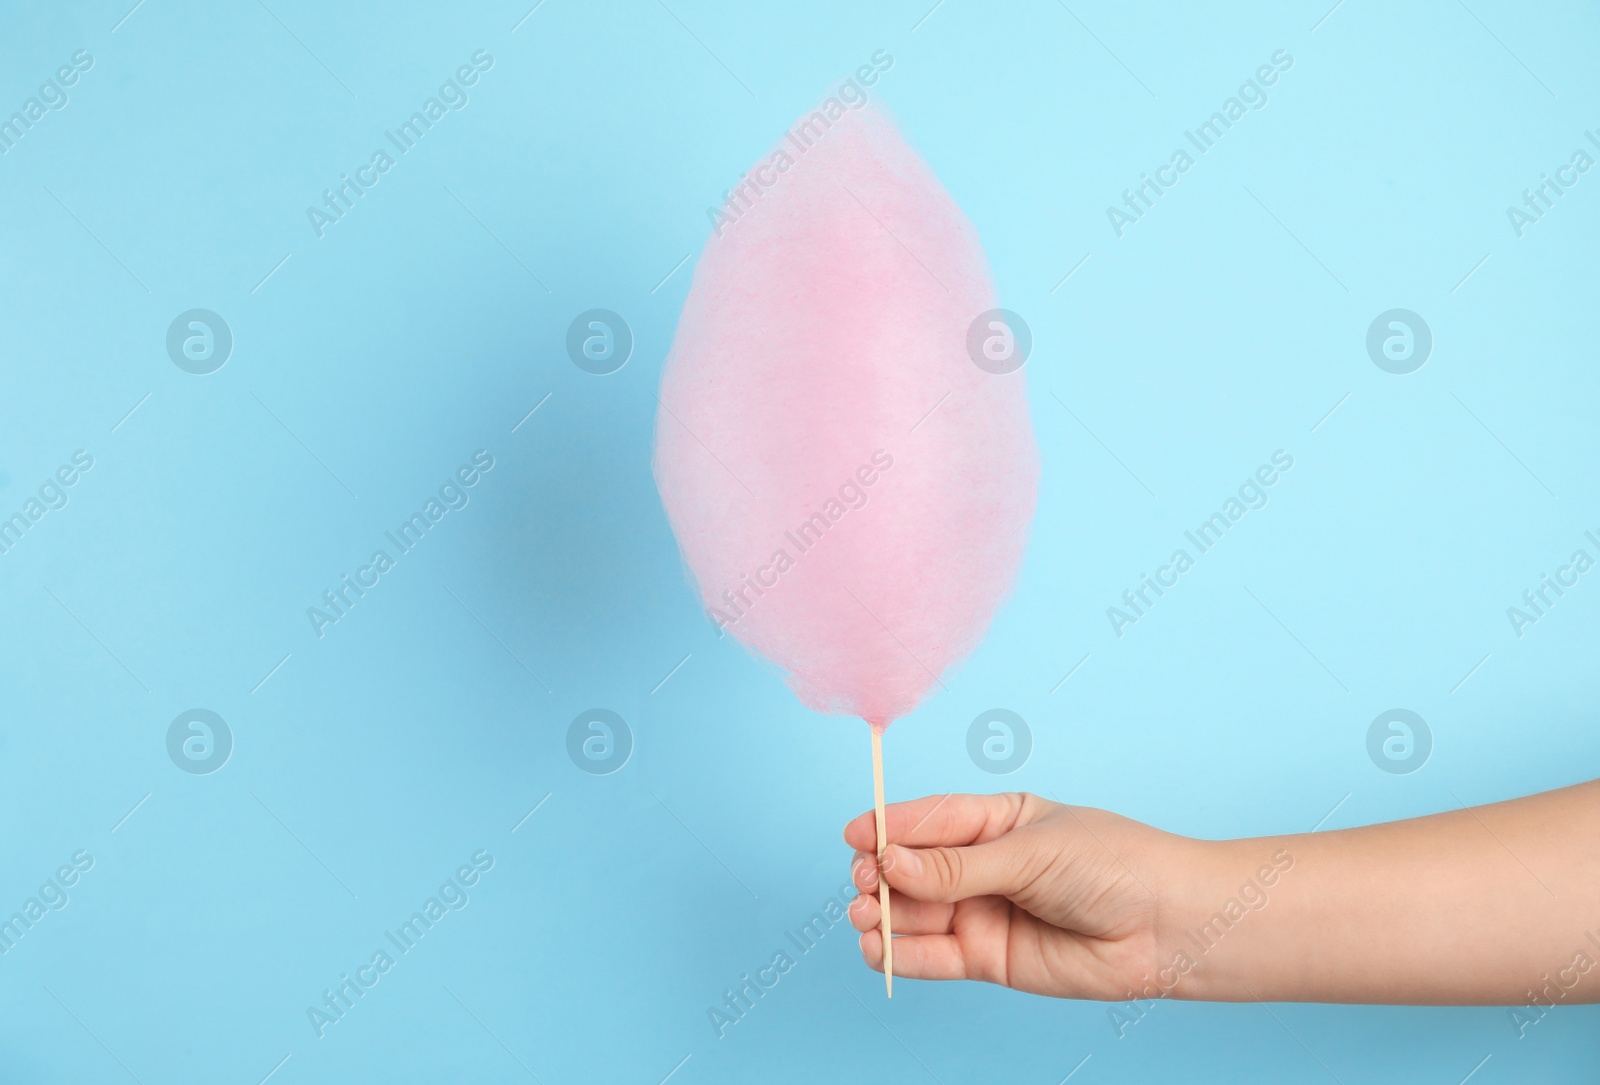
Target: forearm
(1474, 906)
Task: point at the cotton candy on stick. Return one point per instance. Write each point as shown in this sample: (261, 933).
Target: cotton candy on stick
(851, 491)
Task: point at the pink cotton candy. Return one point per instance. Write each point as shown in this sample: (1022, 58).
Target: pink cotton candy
(851, 491)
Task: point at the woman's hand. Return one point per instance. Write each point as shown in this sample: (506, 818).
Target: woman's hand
(1015, 890)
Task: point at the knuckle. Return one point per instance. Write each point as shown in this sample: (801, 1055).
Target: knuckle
(946, 866)
(1022, 806)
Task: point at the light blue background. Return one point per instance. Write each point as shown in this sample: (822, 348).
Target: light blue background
(425, 325)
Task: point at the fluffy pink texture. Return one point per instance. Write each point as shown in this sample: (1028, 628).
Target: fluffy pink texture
(825, 335)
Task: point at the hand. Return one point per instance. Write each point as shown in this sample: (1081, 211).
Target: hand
(1015, 890)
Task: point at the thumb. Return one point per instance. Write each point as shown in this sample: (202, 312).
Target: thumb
(998, 868)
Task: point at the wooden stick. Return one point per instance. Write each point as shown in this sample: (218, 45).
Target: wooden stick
(883, 883)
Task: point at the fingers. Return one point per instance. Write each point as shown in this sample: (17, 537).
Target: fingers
(917, 956)
(909, 916)
(1000, 868)
(951, 820)
(864, 870)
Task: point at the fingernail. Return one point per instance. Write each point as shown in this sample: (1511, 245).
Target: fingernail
(907, 860)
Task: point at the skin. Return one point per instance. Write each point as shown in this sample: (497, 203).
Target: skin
(1488, 905)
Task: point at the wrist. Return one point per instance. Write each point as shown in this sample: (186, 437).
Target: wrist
(1210, 922)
